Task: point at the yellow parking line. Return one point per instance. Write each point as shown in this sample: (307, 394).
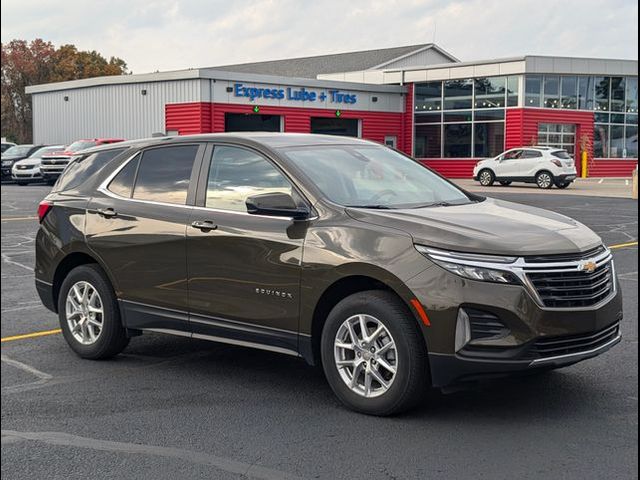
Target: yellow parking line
(623, 245)
(15, 219)
(43, 333)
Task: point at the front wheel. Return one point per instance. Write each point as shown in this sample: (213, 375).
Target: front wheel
(544, 180)
(486, 178)
(373, 354)
(89, 314)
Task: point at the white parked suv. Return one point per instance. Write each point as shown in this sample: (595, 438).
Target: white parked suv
(26, 171)
(544, 166)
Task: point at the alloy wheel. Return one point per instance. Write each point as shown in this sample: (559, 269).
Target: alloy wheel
(485, 178)
(544, 180)
(365, 355)
(84, 312)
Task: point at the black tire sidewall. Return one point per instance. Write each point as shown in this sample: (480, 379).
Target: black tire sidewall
(376, 304)
(113, 337)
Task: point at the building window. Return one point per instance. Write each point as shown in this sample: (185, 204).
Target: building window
(616, 141)
(617, 94)
(632, 95)
(551, 91)
(513, 89)
(489, 115)
(428, 142)
(532, 90)
(557, 135)
(490, 92)
(457, 140)
(569, 89)
(428, 96)
(601, 141)
(488, 139)
(458, 94)
(602, 87)
(585, 93)
(631, 141)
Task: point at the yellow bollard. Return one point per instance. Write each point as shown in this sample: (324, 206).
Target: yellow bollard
(634, 184)
(583, 170)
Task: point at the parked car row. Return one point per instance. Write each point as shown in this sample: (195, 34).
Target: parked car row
(29, 163)
(544, 166)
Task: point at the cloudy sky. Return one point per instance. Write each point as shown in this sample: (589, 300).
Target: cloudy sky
(167, 34)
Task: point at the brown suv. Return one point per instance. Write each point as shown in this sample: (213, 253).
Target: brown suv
(341, 251)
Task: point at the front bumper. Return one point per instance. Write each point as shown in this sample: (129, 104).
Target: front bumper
(529, 327)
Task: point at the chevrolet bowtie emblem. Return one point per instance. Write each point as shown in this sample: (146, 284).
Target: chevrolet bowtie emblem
(588, 266)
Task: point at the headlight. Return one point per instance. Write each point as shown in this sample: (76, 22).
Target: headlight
(485, 268)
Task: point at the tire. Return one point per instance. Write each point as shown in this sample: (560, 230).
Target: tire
(544, 179)
(505, 183)
(111, 338)
(486, 177)
(22, 184)
(407, 386)
(563, 185)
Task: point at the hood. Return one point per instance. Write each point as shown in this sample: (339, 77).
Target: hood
(29, 161)
(492, 227)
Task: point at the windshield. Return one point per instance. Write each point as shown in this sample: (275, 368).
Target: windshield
(46, 150)
(80, 145)
(17, 150)
(372, 176)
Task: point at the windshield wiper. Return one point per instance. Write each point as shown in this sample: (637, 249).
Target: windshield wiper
(439, 204)
(376, 207)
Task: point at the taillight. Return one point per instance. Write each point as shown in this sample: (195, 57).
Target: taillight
(43, 209)
(557, 163)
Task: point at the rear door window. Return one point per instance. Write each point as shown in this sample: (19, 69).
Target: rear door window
(83, 167)
(532, 154)
(164, 174)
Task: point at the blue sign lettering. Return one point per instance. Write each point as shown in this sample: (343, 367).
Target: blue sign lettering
(294, 94)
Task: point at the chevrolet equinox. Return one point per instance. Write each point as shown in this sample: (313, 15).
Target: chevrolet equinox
(341, 251)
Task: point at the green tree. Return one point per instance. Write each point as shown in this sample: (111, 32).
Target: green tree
(36, 62)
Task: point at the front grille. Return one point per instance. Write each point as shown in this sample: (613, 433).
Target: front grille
(571, 289)
(566, 257)
(25, 167)
(566, 345)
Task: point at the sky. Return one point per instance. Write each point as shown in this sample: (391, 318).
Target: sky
(153, 35)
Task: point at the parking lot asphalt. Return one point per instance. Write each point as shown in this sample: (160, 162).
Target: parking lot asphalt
(171, 407)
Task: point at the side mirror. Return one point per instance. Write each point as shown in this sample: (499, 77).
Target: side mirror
(276, 205)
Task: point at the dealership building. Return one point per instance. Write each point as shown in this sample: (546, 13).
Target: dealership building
(419, 99)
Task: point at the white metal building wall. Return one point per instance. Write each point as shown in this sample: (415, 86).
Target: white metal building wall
(110, 110)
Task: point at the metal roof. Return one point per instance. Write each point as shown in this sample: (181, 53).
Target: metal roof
(310, 67)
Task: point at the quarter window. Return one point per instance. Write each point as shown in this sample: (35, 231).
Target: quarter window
(237, 174)
(164, 174)
(122, 184)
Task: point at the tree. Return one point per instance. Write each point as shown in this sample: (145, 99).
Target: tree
(36, 62)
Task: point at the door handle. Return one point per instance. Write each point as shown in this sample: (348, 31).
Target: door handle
(204, 225)
(106, 212)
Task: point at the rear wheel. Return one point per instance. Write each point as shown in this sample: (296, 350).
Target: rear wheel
(486, 178)
(544, 180)
(505, 183)
(89, 314)
(373, 354)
